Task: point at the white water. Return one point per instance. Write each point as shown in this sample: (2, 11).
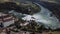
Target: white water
(43, 17)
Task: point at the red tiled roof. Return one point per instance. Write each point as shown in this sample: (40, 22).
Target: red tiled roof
(5, 17)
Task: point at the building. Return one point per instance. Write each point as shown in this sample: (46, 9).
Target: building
(6, 19)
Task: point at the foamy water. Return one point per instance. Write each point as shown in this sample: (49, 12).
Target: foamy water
(43, 16)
